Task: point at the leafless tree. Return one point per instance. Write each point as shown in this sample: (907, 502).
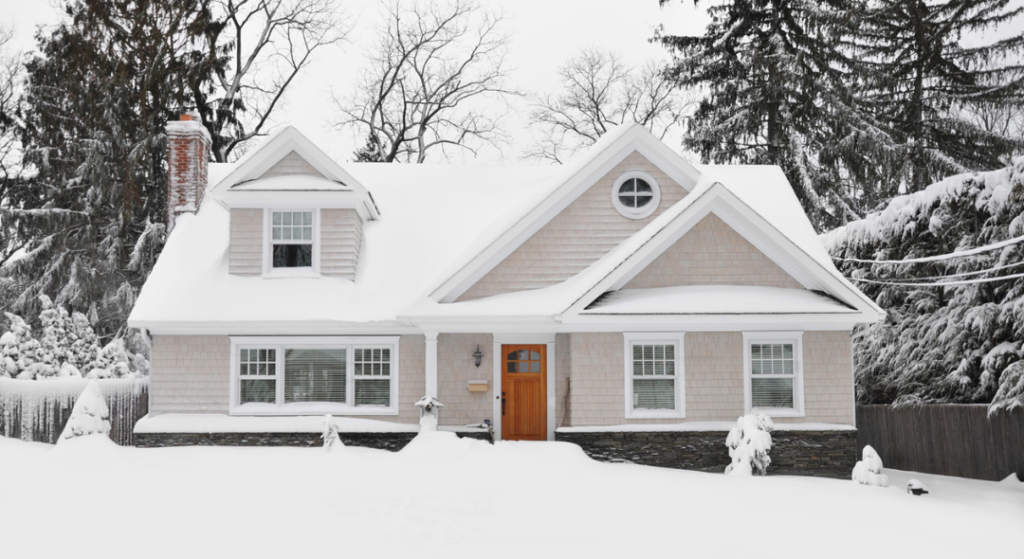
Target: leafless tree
(1005, 120)
(10, 149)
(432, 82)
(266, 44)
(598, 92)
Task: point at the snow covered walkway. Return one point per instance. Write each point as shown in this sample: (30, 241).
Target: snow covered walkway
(448, 497)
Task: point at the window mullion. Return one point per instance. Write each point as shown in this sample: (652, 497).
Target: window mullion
(350, 381)
(279, 375)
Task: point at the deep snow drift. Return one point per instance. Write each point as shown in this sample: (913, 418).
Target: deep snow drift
(452, 498)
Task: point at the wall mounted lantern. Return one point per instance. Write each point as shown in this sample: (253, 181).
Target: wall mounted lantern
(477, 356)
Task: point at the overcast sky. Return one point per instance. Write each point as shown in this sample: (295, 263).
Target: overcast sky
(544, 34)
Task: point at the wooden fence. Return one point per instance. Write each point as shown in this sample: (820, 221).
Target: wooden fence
(947, 439)
(37, 410)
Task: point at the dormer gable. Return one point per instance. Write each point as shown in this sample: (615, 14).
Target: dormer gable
(294, 211)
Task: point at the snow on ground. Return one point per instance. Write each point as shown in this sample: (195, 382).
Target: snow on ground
(452, 498)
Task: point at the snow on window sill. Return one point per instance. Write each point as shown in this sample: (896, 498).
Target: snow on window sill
(304, 272)
(655, 414)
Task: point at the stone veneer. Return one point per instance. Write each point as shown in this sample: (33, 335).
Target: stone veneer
(384, 441)
(583, 232)
(712, 253)
(806, 453)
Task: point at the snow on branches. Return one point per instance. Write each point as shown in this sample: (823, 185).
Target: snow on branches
(67, 347)
(749, 443)
(954, 343)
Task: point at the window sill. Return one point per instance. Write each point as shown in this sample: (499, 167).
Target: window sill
(655, 414)
(278, 273)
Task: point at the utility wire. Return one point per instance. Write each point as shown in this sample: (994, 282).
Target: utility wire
(966, 274)
(940, 257)
(942, 283)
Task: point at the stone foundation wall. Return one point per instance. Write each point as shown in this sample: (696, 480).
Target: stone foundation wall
(805, 453)
(383, 441)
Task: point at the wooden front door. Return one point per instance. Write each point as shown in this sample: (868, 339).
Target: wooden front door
(524, 392)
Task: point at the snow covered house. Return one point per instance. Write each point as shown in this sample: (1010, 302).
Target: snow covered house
(625, 297)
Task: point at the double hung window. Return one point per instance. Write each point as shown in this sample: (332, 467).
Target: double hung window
(654, 379)
(773, 373)
(291, 239)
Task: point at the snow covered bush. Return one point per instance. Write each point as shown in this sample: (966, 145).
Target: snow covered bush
(90, 415)
(68, 347)
(956, 343)
(330, 435)
(749, 443)
(868, 470)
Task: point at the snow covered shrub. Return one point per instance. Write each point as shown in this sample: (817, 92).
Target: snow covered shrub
(69, 348)
(956, 343)
(868, 470)
(90, 415)
(749, 443)
(429, 407)
(330, 436)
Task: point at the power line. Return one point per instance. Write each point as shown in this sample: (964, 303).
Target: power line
(943, 283)
(966, 274)
(940, 257)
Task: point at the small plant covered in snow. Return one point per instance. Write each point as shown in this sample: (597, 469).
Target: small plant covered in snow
(90, 415)
(429, 408)
(330, 436)
(67, 347)
(915, 487)
(749, 443)
(868, 470)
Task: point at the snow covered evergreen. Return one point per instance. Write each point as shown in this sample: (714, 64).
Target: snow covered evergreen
(749, 443)
(332, 441)
(68, 347)
(955, 334)
(90, 416)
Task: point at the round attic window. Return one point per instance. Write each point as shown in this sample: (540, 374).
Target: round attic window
(636, 195)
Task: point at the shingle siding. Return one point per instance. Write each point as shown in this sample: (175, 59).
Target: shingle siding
(713, 369)
(341, 237)
(291, 164)
(712, 253)
(245, 255)
(191, 374)
(455, 368)
(583, 232)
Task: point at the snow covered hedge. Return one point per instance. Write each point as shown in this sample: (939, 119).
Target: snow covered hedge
(68, 347)
(958, 343)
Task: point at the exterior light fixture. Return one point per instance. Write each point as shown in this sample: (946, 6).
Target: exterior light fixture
(477, 356)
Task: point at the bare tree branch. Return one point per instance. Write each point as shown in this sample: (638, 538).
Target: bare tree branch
(598, 92)
(432, 81)
(267, 43)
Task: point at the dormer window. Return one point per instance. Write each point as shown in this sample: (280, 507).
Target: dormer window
(636, 195)
(291, 234)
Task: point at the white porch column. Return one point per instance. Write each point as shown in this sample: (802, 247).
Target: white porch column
(431, 365)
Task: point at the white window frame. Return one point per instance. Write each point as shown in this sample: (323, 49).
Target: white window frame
(797, 339)
(268, 244)
(281, 343)
(636, 213)
(660, 338)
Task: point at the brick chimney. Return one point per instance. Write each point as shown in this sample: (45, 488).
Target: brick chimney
(188, 155)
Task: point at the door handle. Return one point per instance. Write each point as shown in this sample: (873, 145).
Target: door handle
(502, 406)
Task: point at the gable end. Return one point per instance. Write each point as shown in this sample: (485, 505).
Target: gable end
(292, 164)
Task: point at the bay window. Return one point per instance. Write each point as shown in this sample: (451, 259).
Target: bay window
(312, 375)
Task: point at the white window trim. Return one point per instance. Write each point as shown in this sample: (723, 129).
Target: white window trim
(280, 343)
(636, 213)
(268, 246)
(797, 338)
(632, 338)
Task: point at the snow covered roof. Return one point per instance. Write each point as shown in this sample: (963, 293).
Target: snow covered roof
(432, 223)
(716, 299)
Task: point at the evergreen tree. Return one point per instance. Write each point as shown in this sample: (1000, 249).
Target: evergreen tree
(773, 82)
(923, 66)
(97, 99)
